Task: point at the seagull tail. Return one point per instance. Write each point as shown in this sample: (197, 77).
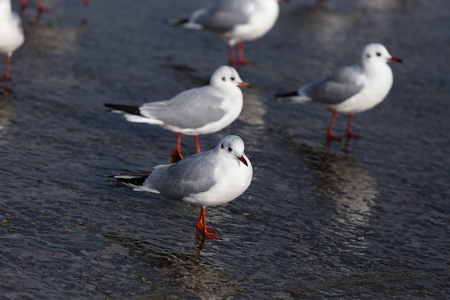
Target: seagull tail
(134, 180)
(133, 114)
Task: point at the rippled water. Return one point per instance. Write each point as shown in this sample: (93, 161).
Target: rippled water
(368, 218)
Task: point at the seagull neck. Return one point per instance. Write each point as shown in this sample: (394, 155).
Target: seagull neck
(372, 69)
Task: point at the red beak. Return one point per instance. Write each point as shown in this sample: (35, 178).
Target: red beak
(396, 59)
(241, 158)
(243, 83)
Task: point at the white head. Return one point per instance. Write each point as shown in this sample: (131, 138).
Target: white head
(226, 76)
(232, 147)
(376, 54)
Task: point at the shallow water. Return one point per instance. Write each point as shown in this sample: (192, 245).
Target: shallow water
(368, 218)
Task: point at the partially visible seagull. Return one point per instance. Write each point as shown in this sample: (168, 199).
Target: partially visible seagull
(11, 33)
(235, 22)
(41, 7)
(351, 89)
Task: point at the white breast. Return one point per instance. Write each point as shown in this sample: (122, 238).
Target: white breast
(378, 83)
(233, 180)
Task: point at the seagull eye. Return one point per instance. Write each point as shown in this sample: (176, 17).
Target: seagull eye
(378, 54)
(230, 149)
(222, 146)
(223, 78)
(232, 78)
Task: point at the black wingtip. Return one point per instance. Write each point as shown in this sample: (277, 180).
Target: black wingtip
(129, 109)
(176, 22)
(133, 179)
(284, 95)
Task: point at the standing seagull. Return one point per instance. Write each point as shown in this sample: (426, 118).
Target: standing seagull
(11, 33)
(196, 111)
(213, 177)
(235, 21)
(351, 89)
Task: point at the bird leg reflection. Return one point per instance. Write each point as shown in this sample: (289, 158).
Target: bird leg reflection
(199, 242)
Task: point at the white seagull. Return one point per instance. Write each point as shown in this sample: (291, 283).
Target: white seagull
(196, 111)
(235, 22)
(11, 33)
(212, 177)
(351, 89)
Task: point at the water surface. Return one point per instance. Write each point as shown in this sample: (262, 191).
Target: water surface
(367, 218)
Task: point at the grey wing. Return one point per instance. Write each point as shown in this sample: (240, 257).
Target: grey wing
(190, 109)
(191, 175)
(225, 15)
(336, 88)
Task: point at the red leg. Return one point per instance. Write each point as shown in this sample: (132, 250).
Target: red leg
(197, 144)
(330, 135)
(8, 63)
(86, 2)
(201, 221)
(176, 154)
(24, 4)
(348, 133)
(231, 60)
(42, 7)
(207, 230)
(241, 60)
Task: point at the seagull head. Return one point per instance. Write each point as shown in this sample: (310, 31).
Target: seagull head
(226, 76)
(232, 147)
(376, 54)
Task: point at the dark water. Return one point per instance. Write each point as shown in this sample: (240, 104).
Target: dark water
(366, 219)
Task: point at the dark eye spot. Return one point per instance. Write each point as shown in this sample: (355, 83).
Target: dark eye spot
(232, 78)
(222, 146)
(378, 54)
(230, 149)
(368, 55)
(223, 78)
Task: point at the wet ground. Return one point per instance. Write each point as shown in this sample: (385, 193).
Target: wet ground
(367, 218)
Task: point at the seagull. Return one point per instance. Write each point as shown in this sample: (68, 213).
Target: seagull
(196, 111)
(212, 177)
(11, 33)
(41, 7)
(234, 22)
(352, 89)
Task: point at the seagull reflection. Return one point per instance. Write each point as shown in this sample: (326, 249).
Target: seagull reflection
(351, 187)
(191, 275)
(6, 109)
(345, 180)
